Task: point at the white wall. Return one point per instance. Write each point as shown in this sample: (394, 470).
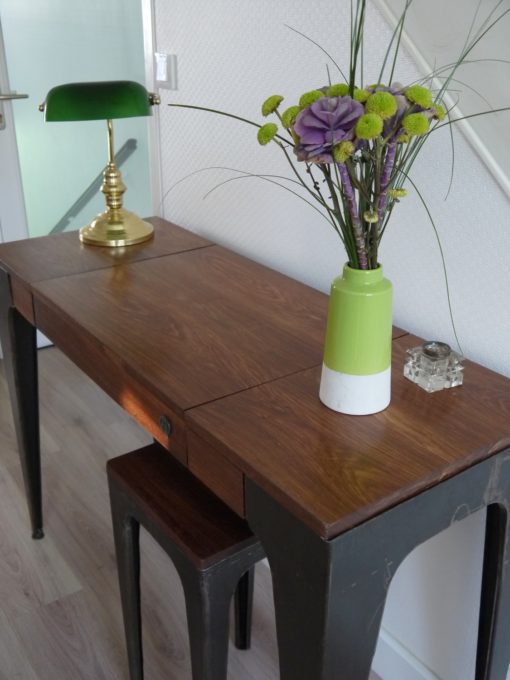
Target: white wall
(232, 55)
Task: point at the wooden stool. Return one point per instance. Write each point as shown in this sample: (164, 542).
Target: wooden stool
(212, 549)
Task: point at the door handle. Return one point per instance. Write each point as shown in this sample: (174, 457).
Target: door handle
(7, 97)
(13, 95)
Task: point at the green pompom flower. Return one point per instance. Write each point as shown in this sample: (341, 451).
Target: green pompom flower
(343, 151)
(417, 94)
(403, 139)
(289, 116)
(360, 95)
(266, 133)
(271, 104)
(439, 112)
(382, 103)
(397, 193)
(416, 124)
(369, 126)
(338, 90)
(309, 98)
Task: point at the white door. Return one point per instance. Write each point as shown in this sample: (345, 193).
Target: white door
(48, 43)
(13, 222)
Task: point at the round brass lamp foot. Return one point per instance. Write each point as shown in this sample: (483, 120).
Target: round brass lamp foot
(116, 228)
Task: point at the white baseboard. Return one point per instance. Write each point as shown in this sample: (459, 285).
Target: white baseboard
(393, 661)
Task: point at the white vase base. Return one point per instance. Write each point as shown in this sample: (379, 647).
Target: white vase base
(355, 395)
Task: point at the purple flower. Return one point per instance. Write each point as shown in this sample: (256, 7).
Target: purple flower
(326, 122)
(393, 125)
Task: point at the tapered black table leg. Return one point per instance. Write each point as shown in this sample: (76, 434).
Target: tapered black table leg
(330, 595)
(493, 638)
(316, 639)
(19, 347)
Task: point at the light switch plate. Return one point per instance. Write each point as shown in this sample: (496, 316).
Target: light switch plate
(166, 70)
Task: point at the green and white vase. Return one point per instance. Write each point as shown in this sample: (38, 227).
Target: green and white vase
(356, 373)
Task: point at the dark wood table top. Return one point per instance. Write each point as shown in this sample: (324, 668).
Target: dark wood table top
(336, 471)
(49, 257)
(167, 325)
(219, 358)
(193, 327)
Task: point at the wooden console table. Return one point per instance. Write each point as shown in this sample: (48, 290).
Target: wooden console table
(219, 359)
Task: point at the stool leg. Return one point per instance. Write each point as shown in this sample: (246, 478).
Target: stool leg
(207, 606)
(126, 532)
(243, 607)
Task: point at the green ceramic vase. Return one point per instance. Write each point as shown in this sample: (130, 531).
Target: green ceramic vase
(356, 372)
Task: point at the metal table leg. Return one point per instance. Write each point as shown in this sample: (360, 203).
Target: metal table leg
(18, 339)
(330, 595)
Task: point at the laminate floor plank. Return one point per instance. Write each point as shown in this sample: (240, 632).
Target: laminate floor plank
(32, 572)
(70, 640)
(14, 663)
(60, 615)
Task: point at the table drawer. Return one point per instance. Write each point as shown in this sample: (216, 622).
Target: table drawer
(105, 368)
(216, 472)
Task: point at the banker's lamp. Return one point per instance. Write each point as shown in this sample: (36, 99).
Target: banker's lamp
(105, 101)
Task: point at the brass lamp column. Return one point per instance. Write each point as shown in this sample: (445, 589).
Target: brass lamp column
(116, 226)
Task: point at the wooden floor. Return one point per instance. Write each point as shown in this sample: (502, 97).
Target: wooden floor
(60, 613)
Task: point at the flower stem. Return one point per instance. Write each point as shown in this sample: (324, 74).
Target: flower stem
(356, 222)
(349, 236)
(388, 164)
(351, 251)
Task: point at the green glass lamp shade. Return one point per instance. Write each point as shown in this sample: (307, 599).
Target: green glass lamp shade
(97, 101)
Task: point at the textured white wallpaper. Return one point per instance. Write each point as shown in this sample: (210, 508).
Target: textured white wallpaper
(234, 53)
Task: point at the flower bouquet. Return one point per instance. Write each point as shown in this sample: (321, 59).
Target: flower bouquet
(360, 140)
(351, 147)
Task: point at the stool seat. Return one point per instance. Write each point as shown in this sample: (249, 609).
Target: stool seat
(196, 520)
(213, 551)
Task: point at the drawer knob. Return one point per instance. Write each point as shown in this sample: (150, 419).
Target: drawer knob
(166, 425)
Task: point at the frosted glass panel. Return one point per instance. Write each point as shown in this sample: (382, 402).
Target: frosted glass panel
(50, 42)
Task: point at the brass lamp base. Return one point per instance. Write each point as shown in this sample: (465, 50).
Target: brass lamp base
(116, 228)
